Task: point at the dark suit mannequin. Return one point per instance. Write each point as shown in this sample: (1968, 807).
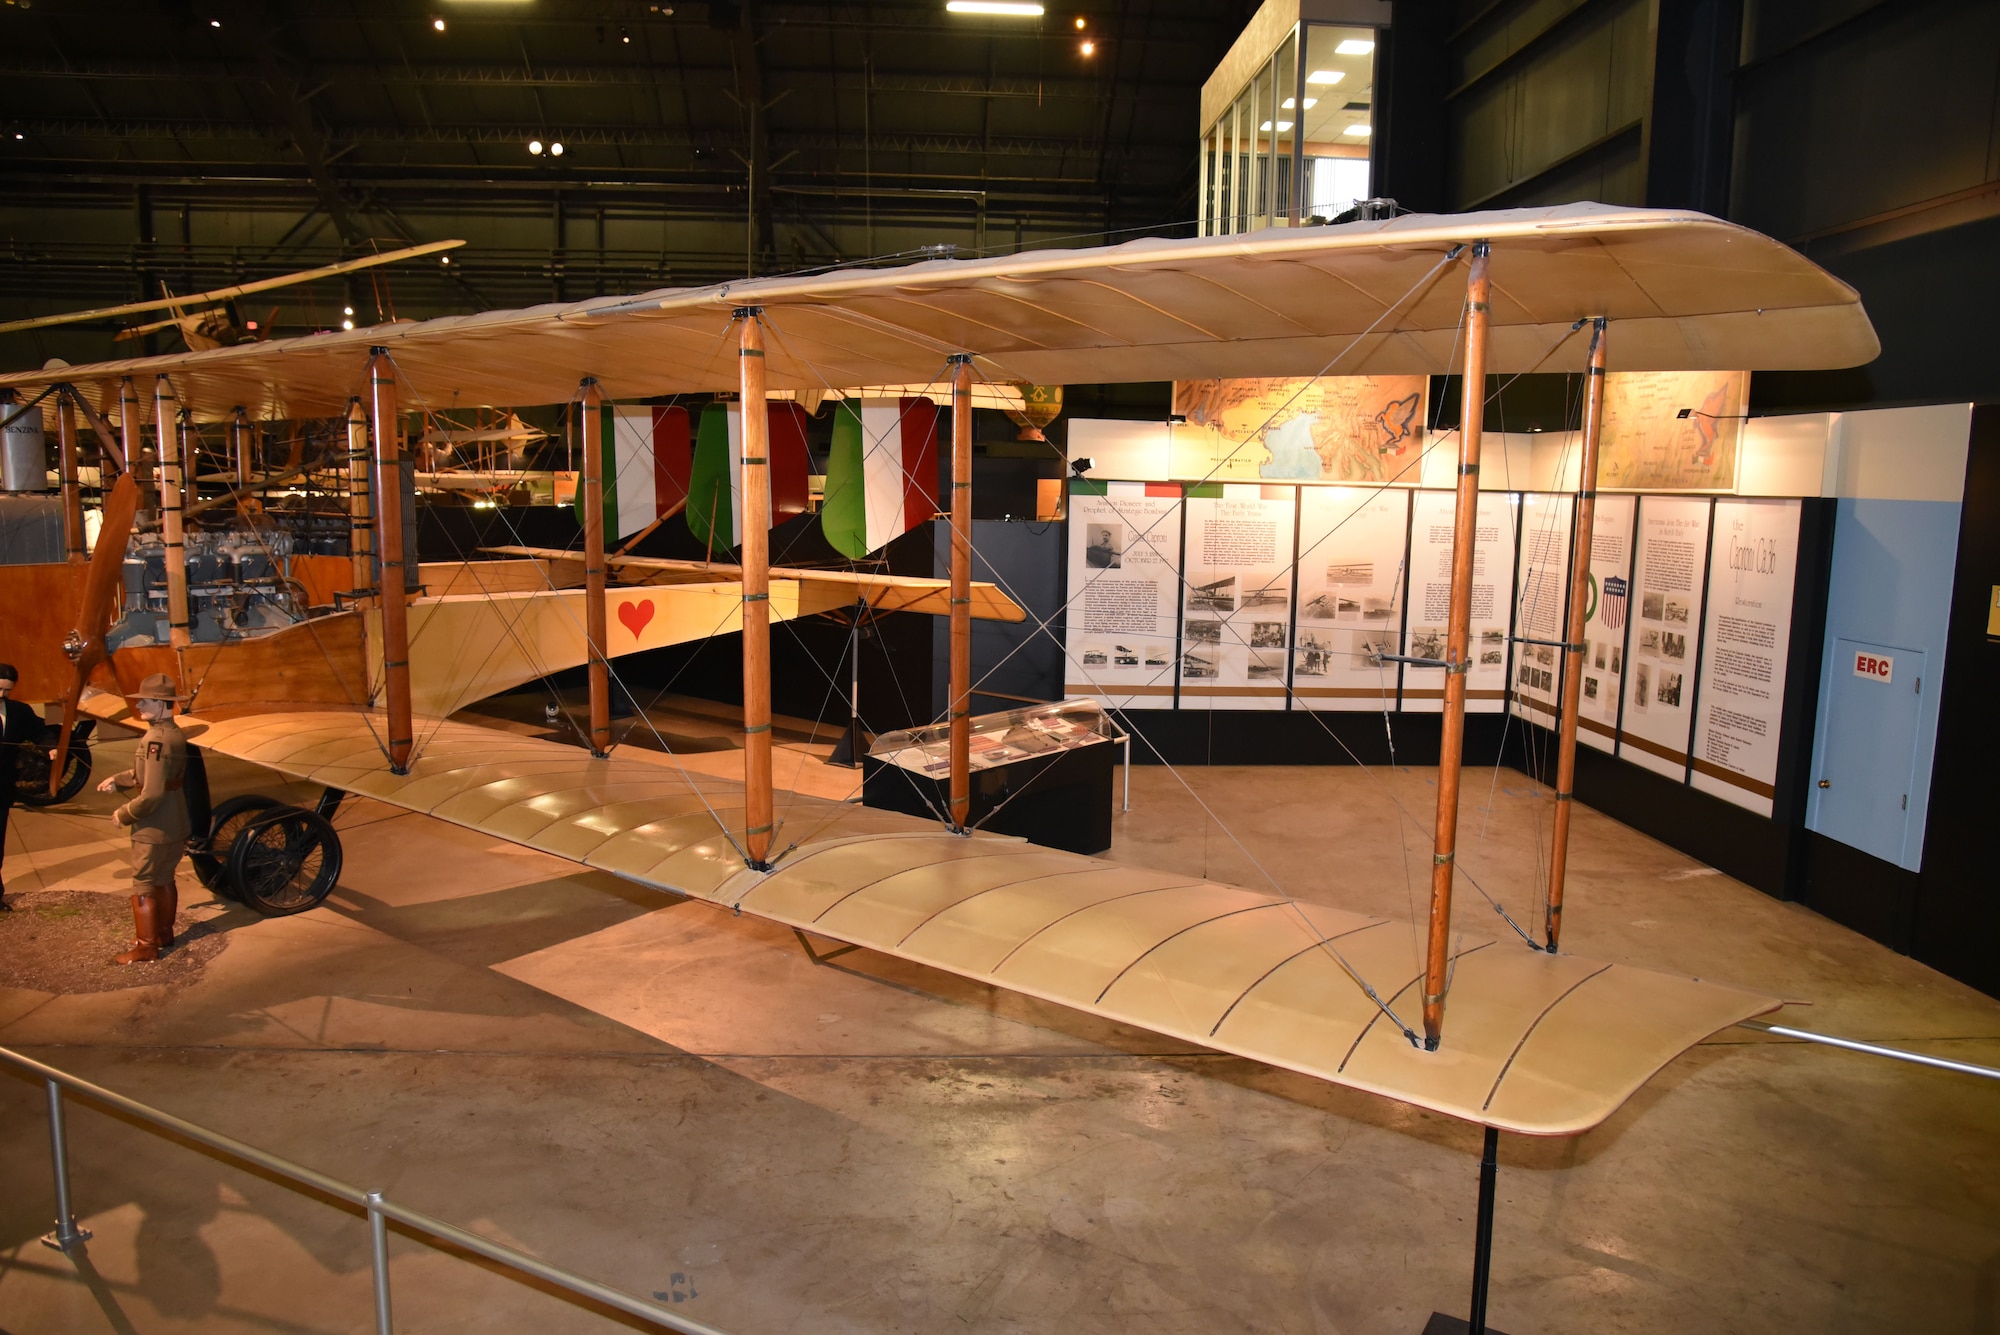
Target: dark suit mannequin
(19, 725)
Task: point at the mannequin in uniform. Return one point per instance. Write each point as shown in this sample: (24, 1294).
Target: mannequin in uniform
(20, 725)
(158, 818)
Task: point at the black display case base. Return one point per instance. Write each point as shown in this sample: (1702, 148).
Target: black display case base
(1440, 1324)
(1058, 800)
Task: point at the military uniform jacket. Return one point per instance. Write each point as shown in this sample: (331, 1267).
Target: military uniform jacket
(159, 813)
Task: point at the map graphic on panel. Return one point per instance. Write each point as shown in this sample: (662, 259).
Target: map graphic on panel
(1672, 430)
(1329, 429)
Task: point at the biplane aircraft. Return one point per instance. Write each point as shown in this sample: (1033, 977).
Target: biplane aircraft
(1510, 1035)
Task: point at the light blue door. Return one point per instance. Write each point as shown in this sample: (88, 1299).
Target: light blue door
(1868, 752)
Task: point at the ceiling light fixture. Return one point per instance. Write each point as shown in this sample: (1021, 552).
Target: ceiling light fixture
(1282, 126)
(438, 24)
(1327, 77)
(347, 324)
(20, 136)
(1354, 46)
(1290, 104)
(444, 259)
(1090, 48)
(347, 310)
(555, 149)
(1079, 21)
(215, 23)
(535, 147)
(1359, 131)
(625, 36)
(1006, 9)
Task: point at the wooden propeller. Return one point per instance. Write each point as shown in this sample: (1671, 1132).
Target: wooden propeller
(85, 644)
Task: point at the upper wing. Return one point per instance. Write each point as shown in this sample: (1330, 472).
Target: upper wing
(1686, 292)
(1538, 1044)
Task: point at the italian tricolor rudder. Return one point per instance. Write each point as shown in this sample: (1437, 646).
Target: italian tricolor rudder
(715, 499)
(646, 464)
(882, 473)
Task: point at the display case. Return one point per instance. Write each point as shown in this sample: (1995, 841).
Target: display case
(1042, 772)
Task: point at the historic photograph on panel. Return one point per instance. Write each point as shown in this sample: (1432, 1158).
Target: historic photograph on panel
(1104, 546)
(1204, 631)
(1351, 572)
(1267, 635)
(1427, 642)
(1266, 665)
(1278, 593)
(1677, 610)
(1217, 596)
(1649, 643)
(1121, 656)
(1670, 689)
(1642, 685)
(1199, 666)
(1315, 654)
(1095, 656)
(1673, 644)
(1652, 606)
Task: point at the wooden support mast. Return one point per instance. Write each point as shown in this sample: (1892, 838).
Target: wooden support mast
(589, 402)
(173, 497)
(1579, 582)
(130, 426)
(961, 590)
(360, 506)
(758, 817)
(389, 541)
(72, 486)
(1458, 647)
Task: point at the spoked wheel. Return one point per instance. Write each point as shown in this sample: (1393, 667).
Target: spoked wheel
(211, 862)
(31, 776)
(284, 860)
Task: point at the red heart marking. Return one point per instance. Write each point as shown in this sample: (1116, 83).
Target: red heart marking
(636, 614)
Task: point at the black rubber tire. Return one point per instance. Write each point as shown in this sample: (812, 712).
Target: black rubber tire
(284, 861)
(211, 860)
(31, 779)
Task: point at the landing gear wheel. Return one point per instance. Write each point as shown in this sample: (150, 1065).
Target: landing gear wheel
(284, 861)
(31, 780)
(211, 863)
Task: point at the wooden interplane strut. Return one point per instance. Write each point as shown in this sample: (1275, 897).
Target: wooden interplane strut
(72, 485)
(589, 402)
(961, 590)
(1458, 641)
(1579, 585)
(173, 499)
(760, 820)
(394, 591)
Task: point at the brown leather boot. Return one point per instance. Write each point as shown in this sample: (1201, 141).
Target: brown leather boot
(145, 930)
(169, 897)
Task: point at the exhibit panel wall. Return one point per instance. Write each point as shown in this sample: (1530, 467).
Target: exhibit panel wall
(1429, 600)
(1745, 650)
(1122, 617)
(1669, 576)
(1350, 597)
(1236, 625)
(1541, 604)
(1607, 622)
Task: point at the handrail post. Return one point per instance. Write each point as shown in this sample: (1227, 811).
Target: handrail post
(378, 1243)
(66, 1234)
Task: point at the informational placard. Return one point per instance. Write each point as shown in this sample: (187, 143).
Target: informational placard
(1237, 619)
(1124, 592)
(1430, 600)
(1352, 553)
(1746, 643)
(1541, 605)
(1607, 617)
(1659, 668)
(1340, 428)
(1673, 430)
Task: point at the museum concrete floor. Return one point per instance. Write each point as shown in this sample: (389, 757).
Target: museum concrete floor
(691, 1105)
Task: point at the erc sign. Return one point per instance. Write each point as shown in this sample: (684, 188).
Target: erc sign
(1875, 667)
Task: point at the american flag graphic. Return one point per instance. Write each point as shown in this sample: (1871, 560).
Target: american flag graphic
(1611, 608)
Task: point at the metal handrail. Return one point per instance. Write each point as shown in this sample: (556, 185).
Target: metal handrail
(379, 1210)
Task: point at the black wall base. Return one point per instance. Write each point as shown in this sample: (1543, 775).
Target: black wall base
(1277, 737)
(1859, 890)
